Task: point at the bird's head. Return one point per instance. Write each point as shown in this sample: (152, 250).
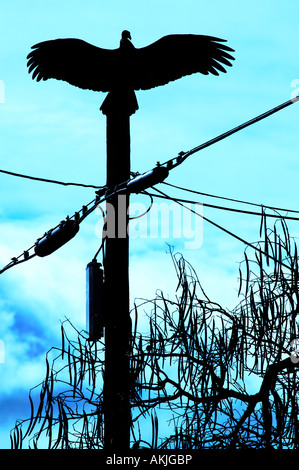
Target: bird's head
(125, 43)
(126, 35)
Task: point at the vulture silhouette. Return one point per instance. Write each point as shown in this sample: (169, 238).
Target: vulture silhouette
(128, 68)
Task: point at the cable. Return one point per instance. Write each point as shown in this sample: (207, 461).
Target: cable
(226, 231)
(173, 162)
(79, 218)
(102, 195)
(95, 202)
(15, 261)
(183, 155)
(20, 175)
(147, 210)
(230, 199)
(170, 164)
(277, 216)
(98, 251)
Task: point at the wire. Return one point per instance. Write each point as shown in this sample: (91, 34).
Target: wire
(98, 251)
(183, 155)
(225, 230)
(277, 216)
(44, 180)
(230, 199)
(85, 210)
(102, 195)
(15, 261)
(170, 164)
(147, 210)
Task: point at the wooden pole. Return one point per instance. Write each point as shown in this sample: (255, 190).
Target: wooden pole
(116, 396)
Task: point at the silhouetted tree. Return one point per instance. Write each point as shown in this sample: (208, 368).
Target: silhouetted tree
(223, 379)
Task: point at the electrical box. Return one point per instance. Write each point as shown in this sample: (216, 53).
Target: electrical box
(148, 179)
(56, 238)
(94, 300)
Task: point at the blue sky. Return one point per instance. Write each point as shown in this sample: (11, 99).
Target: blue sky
(53, 130)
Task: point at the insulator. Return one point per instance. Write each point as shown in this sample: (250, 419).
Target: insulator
(146, 180)
(180, 157)
(100, 192)
(56, 238)
(94, 300)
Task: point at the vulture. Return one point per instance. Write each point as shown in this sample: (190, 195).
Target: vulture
(128, 68)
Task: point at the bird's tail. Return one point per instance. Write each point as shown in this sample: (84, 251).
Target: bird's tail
(120, 101)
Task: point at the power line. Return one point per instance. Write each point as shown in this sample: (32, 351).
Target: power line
(230, 199)
(225, 230)
(86, 210)
(241, 211)
(45, 180)
(169, 164)
(101, 195)
(79, 216)
(172, 163)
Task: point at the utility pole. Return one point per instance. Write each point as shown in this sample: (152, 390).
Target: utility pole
(118, 107)
(121, 71)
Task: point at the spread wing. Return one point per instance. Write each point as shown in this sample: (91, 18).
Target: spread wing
(89, 67)
(177, 55)
(75, 61)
